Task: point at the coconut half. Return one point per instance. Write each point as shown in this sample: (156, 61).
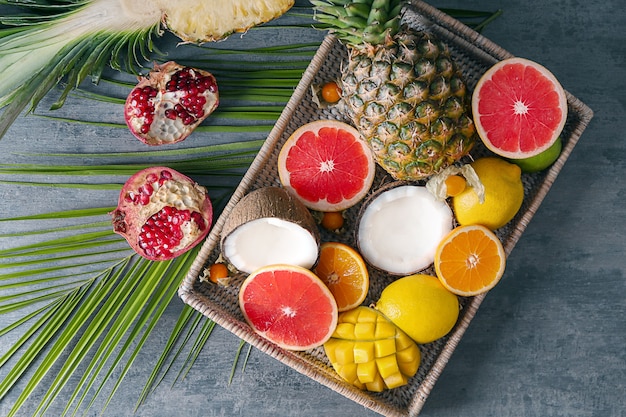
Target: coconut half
(400, 228)
(270, 226)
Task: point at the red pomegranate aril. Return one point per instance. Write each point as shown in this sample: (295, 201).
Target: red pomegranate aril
(170, 114)
(148, 108)
(162, 231)
(146, 189)
(197, 218)
(162, 213)
(144, 199)
(164, 176)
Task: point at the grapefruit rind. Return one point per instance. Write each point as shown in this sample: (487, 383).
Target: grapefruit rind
(304, 315)
(518, 137)
(331, 178)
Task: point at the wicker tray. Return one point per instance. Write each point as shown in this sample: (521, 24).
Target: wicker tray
(475, 54)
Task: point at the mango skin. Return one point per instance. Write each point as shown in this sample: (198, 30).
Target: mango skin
(370, 352)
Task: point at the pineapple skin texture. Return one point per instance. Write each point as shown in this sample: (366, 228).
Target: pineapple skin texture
(410, 103)
(370, 352)
(200, 21)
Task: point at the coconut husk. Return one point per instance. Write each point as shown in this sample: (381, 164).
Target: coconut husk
(269, 202)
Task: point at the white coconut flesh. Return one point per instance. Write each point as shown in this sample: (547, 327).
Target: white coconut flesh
(270, 241)
(401, 228)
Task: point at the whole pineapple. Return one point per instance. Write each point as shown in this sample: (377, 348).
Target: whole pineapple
(401, 88)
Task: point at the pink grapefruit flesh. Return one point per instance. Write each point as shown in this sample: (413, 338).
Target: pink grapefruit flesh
(289, 305)
(519, 108)
(326, 165)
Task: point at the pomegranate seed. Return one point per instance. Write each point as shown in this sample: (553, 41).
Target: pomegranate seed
(144, 199)
(171, 85)
(198, 220)
(145, 189)
(162, 231)
(170, 114)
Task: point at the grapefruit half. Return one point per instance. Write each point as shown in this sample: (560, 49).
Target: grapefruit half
(519, 108)
(326, 165)
(289, 305)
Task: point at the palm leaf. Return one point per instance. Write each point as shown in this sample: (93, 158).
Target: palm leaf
(100, 299)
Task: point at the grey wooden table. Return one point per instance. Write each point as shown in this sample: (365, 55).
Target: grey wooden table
(549, 340)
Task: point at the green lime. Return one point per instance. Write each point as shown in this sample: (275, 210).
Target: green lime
(540, 161)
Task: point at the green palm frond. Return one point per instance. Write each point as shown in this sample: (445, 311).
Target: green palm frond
(70, 285)
(42, 43)
(80, 285)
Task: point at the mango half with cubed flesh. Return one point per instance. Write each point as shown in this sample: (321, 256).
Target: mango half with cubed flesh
(370, 352)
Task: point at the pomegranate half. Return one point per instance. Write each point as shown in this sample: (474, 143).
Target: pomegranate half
(162, 213)
(169, 103)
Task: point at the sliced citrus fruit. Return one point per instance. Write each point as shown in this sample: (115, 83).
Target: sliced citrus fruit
(344, 272)
(542, 160)
(470, 260)
(519, 108)
(326, 165)
(289, 305)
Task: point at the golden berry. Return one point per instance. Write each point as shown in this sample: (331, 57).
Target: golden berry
(332, 220)
(217, 271)
(331, 92)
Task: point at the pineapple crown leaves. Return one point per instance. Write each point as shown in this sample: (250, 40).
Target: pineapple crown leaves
(360, 22)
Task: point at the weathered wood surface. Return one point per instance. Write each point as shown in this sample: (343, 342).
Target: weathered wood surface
(548, 340)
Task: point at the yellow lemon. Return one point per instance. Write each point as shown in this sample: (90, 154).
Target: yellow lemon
(420, 306)
(503, 194)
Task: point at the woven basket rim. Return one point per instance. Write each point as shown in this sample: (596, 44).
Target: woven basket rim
(450, 28)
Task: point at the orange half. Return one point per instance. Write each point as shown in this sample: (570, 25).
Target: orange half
(345, 274)
(470, 260)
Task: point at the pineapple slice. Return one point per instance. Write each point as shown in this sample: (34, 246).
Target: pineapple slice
(73, 40)
(370, 352)
(205, 21)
